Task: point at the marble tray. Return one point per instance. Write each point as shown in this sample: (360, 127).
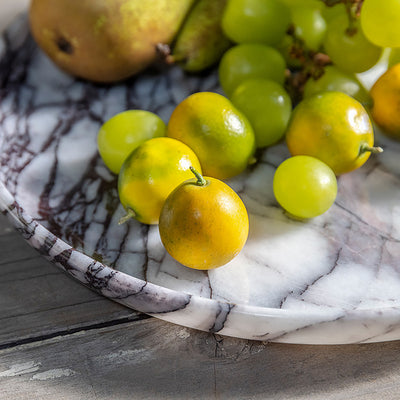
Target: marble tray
(333, 279)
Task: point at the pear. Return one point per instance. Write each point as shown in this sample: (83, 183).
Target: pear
(201, 42)
(105, 40)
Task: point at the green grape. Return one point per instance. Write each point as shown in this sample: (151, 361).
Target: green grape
(122, 133)
(350, 52)
(256, 21)
(310, 25)
(318, 4)
(333, 79)
(330, 13)
(304, 186)
(380, 21)
(267, 106)
(250, 60)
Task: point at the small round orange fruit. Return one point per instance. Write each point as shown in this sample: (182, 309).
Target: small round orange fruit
(385, 94)
(203, 223)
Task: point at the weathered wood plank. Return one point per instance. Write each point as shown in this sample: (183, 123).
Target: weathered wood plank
(151, 359)
(37, 299)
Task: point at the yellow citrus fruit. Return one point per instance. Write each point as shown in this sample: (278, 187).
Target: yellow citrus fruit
(216, 130)
(385, 95)
(149, 175)
(334, 128)
(204, 223)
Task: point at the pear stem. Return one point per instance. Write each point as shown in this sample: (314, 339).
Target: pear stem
(372, 149)
(129, 214)
(200, 180)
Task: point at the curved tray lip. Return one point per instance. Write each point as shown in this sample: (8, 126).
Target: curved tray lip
(184, 309)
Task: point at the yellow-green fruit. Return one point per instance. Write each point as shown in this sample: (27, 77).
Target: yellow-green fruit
(150, 173)
(333, 127)
(219, 134)
(105, 41)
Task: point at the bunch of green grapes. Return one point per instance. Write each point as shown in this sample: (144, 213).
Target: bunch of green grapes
(285, 51)
(349, 36)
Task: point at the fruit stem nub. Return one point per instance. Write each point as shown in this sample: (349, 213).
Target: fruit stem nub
(373, 149)
(200, 180)
(129, 214)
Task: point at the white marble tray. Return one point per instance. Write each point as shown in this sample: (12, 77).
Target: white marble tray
(333, 279)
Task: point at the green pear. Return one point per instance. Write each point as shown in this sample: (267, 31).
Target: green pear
(105, 40)
(201, 41)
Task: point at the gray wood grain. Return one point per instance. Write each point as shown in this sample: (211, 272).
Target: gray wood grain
(150, 359)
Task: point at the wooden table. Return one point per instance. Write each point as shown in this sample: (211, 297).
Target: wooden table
(59, 340)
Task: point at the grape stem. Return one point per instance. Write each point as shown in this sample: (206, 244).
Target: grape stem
(312, 65)
(356, 3)
(200, 180)
(353, 9)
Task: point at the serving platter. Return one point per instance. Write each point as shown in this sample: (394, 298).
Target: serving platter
(332, 279)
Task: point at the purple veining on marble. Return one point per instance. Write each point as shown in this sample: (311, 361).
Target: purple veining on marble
(333, 279)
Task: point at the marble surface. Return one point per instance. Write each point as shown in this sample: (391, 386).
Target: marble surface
(333, 279)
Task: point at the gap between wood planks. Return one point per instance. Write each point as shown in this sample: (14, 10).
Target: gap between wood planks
(65, 332)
